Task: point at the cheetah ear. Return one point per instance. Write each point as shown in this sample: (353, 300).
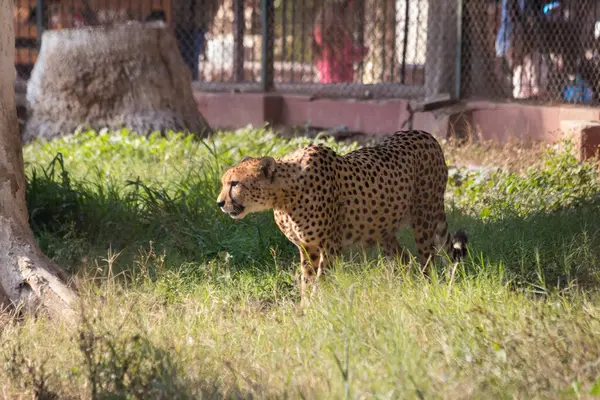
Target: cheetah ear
(246, 158)
(267, 167)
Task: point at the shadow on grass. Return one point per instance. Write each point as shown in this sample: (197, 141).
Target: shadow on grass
(550, 249)
(114, 364)
(73, 220)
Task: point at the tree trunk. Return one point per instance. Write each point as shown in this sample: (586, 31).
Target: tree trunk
(122, 76)
(27, 277)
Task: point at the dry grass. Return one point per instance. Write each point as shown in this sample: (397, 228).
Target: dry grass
(375, 333)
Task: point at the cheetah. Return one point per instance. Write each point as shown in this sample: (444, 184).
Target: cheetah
(324, 202)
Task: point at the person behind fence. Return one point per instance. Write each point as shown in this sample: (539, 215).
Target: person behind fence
(333, 47)
(518, 42)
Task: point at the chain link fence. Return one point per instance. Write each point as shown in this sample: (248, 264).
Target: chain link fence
(26, 36)
(542, 50)
(32, 17)
(532, 50)
(221, 39)
(336, 47)
(325, 47)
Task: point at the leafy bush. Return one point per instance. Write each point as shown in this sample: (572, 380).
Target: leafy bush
(561, 182)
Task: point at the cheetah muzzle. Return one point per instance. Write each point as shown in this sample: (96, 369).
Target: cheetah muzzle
(235, 211)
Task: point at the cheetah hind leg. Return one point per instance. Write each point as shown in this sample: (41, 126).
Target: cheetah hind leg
(392, 248)
(425, 240)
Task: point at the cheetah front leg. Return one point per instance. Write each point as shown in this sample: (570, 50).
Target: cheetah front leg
(325, 258)
(309, 265)
(392, 248)
(314, 262)
(424, 238)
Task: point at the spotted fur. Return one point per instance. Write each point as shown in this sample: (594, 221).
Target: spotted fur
(324, 202)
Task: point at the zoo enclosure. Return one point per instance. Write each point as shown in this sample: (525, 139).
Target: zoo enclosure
(525, 50)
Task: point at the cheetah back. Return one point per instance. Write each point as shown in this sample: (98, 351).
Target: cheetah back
(379, 187)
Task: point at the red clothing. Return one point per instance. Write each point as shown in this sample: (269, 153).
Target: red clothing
(337, 66)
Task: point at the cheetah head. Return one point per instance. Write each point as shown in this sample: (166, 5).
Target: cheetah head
(245, 187)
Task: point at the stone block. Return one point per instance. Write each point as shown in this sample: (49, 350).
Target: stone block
(585, 136)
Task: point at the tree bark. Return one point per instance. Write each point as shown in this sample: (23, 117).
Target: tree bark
(121, 76)
(27, 277)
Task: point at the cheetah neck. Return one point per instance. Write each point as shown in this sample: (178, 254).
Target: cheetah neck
(284, 191)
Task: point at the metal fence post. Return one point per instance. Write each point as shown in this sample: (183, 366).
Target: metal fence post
(441, 68)
(405, 42)
(267, 54)
(39, 22)
(457, 76)
(238, 40)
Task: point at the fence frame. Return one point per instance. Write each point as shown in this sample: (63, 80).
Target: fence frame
(39, 22)
(444, 71)
(317, 90)
(267, 82)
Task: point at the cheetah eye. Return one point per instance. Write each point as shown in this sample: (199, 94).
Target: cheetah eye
(233, 183)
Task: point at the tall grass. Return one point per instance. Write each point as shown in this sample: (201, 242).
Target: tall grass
(181, 302)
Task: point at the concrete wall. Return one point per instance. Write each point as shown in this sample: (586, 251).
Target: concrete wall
(479, 119)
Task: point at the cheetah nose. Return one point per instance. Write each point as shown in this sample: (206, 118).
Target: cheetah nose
(220, 203)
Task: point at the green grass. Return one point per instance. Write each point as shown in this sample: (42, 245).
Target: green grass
(179, 301)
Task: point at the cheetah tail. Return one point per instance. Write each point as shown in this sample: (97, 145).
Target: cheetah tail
(459, 245)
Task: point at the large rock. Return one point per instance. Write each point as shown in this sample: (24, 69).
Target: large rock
(128, 75)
